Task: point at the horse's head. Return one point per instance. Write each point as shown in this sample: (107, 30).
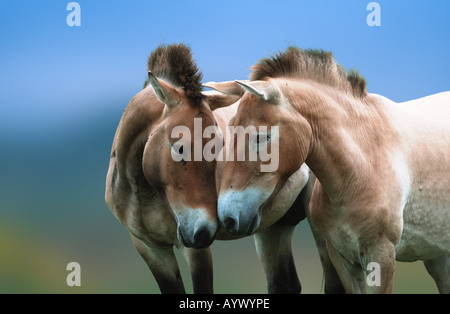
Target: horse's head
(249, 185)
(173, 160)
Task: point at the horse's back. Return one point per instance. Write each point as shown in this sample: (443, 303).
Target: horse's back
(442, 98)
(422, 131)
(432, 111)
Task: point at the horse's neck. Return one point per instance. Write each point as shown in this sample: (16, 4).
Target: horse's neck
(349, 135)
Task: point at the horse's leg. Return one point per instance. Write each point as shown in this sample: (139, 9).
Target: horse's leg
(201, 268)
(383, 254)
(439, 269)
(333, 284)
(163, 265)
(273, 247)
(351, 275)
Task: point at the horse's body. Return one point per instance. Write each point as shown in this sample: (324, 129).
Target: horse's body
(383, 189)
(401, 207)
(164, 203)
(420, 158)
(142, 208)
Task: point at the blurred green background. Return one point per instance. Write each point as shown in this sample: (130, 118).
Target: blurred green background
(64, 90)
(35, 262)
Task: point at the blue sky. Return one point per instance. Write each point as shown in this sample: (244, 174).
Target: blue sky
(54, 76)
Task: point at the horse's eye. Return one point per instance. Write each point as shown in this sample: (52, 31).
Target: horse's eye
(265, 138)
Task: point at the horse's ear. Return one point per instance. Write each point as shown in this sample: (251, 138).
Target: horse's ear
(216, 100)
(228, 87)
(165, 92)
(262, 89)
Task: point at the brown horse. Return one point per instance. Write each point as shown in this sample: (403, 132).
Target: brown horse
(161, 201)
(286, 207)
(165, 196)
(383, 189)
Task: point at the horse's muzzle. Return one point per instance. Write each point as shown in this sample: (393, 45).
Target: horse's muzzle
(239, 213)
(200, 240)
(195, 230)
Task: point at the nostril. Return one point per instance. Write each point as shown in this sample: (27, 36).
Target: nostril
(230, 224)
(201, 238)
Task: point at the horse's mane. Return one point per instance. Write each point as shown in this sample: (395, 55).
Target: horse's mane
(317, 65)
(175, 64)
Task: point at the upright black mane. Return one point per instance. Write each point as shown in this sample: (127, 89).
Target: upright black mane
(317, 65)
(175, 64)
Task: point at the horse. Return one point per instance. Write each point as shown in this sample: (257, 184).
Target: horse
(287, 207)
(166, 199)
(383, 187)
